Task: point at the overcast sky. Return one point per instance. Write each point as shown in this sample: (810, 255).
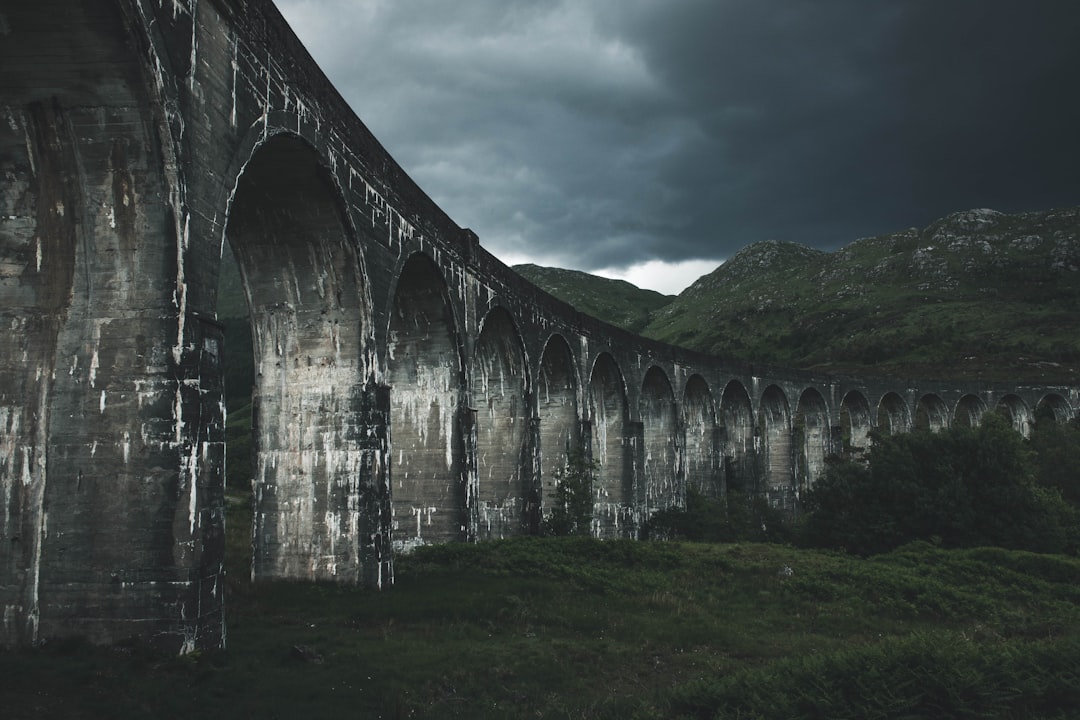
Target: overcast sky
(635, 137)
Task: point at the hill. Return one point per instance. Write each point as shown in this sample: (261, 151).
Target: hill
(614, 301)
(975, 294)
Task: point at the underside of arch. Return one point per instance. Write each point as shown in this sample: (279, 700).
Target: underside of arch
(660, 466)
(893, 416)
(504, 497)
(556, 405)
(311, 321)
(739, 441)
(812, 439)
(775, 422)
(931, 414)
(855, 423)
(701, 441)
(423, 369)
(613, 509)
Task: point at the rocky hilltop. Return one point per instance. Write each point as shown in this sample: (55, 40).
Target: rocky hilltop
(975, 294)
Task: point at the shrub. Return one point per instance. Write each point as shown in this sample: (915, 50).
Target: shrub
(962, 487)
(572, 513)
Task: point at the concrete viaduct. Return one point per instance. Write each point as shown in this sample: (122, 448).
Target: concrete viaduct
(410, 388)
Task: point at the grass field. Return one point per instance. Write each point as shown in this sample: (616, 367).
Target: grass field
(576, 628)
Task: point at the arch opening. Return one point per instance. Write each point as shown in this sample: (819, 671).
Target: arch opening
(660, 467)
(1054, 406)
(424, 371)
(556, 406)
(740, 442)
(774, 418)
(613, 489)
(1016, 411)
(855, 424)
(310, 325)
(931, 414)
(700, 464)
(969, 411)
(812, 439)
(893, 416)
(503, 496)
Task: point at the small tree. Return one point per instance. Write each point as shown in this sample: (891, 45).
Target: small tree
(572, 511)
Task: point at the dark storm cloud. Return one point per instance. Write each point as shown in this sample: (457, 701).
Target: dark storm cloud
(610, 132)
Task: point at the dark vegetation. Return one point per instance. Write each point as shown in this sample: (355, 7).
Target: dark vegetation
(958, 488)
(573, 627)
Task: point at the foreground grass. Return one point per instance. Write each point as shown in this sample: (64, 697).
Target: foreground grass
(577, 628)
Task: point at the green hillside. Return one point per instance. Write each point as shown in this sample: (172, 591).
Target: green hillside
(614, 301)
(975, 294)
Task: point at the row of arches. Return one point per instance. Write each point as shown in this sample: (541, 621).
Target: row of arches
(473, 433)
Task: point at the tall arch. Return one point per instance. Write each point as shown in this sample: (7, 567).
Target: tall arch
(855, 423)
(1017, 412)
(504, 478)
(774, 419)
(969, 411)
(311, 324)
(740, 444)
(661, 458)
(556, 407)
(893, 415)
(613, 510)
(1056, 406)
(931, 413)
(700, 445)
(424, 371)
(812, 439)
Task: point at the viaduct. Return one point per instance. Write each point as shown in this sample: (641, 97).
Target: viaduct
(410, 388)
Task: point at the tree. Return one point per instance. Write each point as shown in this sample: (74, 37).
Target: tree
(962, 487)
(572, 511)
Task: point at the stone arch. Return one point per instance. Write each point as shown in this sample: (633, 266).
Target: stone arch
(893, 415)
(969, 411)
(557, 409)
(503, 494)
(613, 513)
(1055, 406)
(311, 325)
(812, 439)
(701, 442)
(855, 423)
(931, 413)
(774, 421)
(740, 443)
(661, 457)
(1016, 412)
(425, 374)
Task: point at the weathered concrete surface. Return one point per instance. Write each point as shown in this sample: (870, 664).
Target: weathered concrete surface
(410, 388)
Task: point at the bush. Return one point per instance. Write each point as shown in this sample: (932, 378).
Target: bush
(572, 514)
(731, 519)
(962, 487)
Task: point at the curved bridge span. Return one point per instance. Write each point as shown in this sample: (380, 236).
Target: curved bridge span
(410, 388)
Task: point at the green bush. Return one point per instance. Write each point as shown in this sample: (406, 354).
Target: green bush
(572, 513)
(961, 487)
(734, 518)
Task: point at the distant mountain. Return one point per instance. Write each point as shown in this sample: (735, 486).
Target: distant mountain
(614, 301)
(975, 294)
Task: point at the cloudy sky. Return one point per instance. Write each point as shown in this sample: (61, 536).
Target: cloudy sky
(651, 139)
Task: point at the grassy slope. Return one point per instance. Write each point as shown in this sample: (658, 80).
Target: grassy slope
(614, 301)
(973, 295)
(578, 628)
